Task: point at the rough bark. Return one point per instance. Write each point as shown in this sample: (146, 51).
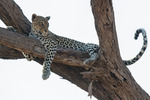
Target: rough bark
(111, 78)
(12, 15)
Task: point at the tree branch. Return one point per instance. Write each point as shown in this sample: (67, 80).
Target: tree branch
(12, 15)
(8, 53)
(33, 46)
(117, 84)
(17, 41)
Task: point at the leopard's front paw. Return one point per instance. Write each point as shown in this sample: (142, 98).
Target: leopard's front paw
(29, 57)
(46, 70)
(46, 74)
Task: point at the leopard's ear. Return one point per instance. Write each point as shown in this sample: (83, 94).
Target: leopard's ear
(34, 17)
(48, 17)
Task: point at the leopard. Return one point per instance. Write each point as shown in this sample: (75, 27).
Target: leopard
(51, 42)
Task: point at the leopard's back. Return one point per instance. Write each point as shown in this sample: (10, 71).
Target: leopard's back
(69, 43)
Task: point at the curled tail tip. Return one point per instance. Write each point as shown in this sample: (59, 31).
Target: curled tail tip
(138, 31)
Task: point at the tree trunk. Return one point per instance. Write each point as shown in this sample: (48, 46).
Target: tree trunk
(110, 77)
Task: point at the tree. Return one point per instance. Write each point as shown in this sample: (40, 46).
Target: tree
(110, 77)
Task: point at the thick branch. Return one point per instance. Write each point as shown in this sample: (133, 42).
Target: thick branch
(12, 15)
(33, 46)
(17, 41)
(8, 53)
(118, 84)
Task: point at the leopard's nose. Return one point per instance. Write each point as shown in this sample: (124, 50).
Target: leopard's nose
(40, 32)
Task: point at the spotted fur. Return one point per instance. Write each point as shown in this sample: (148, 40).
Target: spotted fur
(51, 41)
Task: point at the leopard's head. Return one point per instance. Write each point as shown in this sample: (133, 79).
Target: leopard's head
(40, 25)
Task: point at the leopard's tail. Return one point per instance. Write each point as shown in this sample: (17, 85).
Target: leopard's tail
(139, 55)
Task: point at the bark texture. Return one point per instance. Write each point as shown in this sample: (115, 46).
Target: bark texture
(110, 78)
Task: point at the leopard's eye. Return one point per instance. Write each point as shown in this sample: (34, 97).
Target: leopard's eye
(42, 24)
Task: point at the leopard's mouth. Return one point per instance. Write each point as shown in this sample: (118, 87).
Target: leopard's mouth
(39, 33)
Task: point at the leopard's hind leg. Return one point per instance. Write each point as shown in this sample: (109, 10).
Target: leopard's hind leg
(94, 52)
